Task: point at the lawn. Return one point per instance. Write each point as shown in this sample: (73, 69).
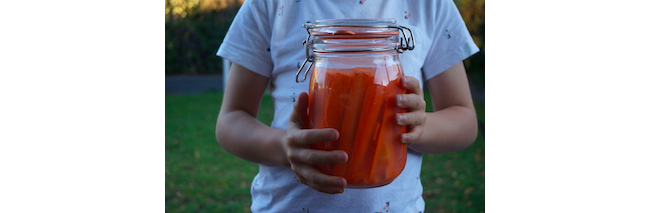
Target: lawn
(200, 176)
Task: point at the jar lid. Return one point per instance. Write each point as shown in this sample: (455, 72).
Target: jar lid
(359, 26)
(356, 22)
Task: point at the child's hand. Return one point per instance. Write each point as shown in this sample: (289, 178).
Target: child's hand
(301, 157)
(415, 115)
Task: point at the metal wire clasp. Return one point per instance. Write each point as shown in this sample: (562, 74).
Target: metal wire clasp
(308, 57)
(410, 42)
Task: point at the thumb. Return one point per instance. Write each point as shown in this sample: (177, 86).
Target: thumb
(299, 116)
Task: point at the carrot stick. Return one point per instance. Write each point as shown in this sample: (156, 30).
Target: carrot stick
(363, 78)
(336, 103)
(369, 124)
(314, 94)
(317, 106)
(390, 153)
(319, 113)
(350, 121)
(376, 149)
(334, 109)
(382, 160)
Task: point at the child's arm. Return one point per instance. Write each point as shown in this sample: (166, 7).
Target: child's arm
(240, 133)
(452, 126)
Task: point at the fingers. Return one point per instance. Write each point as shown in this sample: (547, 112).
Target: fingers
(316, 157)
(415, 117)
(411, 84)
(414, 120)
(308, 136)
(415, 106)
(301, 164)
(410, 137)
(301, 159)
(413, 99)
(411, 119)
(410, 101)
(299, 136)
(315, 179)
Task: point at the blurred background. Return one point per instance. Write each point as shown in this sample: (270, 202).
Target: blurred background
(202, 177)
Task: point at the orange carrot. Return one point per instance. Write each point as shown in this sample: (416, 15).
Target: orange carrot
(336, 101)
(317, 106)
(334, 110)
(388, 146)
(369, 124)
(318, 113)
(351, 119)
(314, 94)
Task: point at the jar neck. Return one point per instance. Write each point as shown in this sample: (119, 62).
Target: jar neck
(392, 54)
(356, 59)
(355, 43)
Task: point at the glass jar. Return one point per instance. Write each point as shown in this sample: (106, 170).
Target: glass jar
(355, 78)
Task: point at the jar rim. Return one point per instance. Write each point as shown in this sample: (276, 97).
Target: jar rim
(344, 28)
(355, 22)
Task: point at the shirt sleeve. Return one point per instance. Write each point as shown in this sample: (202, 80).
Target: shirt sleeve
(248, 39)
(451, 42)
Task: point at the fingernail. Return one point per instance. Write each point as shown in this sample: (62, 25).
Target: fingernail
(404, 138)
(341, 157)
(332, 135)
(400, 99)
(341, 182)
(400, 119)
(405, 81)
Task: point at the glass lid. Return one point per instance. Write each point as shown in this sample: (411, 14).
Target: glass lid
(355, 22)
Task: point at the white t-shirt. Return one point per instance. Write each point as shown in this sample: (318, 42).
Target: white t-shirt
(266, 38)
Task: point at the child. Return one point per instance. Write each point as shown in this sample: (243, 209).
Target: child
(265, 45)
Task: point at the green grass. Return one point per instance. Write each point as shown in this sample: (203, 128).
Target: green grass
(200, 176)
